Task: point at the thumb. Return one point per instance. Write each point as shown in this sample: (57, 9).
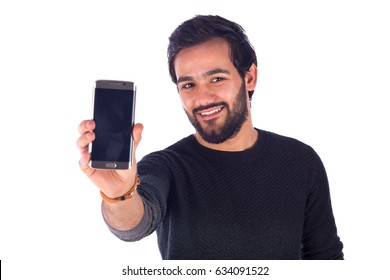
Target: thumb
(137, 134)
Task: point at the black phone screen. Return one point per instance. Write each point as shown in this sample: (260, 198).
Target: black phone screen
(113, 115)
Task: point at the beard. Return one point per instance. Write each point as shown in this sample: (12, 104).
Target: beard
(236, 116)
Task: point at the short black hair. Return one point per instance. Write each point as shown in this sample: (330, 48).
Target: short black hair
(202, 28)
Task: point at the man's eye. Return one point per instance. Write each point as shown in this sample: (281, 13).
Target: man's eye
(187, 86)
(217, 79)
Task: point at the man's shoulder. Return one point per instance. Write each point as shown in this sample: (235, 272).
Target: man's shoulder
(288, 150)
(182, 145)
(284, 139)
(286, 144)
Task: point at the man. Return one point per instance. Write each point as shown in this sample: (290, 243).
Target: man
(230, 191)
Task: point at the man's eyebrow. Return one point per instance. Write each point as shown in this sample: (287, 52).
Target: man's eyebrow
(184, 79)
(216, 71)
(205, 75)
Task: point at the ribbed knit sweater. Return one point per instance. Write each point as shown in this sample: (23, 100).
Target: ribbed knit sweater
(271, 201)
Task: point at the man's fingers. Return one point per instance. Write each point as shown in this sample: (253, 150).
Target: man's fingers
(84, 140)
(84, 163)
(86, 137)
(85, 126)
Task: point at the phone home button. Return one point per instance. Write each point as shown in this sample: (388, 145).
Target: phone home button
(111, 165)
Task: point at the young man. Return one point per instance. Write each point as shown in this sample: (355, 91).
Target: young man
(230, 191)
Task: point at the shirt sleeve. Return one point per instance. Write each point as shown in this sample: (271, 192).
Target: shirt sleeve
(320, 240)
(154, 190)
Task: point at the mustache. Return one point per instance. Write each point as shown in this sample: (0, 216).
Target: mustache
(211, 105)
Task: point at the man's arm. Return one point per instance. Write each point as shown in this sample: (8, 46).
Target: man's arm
(124, 215)
(320, 239)
(153, 192)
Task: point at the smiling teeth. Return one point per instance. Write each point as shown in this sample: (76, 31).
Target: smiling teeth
(211, 112)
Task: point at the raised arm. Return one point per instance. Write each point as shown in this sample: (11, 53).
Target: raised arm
(123, 215)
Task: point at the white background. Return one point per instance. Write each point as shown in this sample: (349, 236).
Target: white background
(324, 69)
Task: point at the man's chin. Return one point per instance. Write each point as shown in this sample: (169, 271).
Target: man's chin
(212, 137)
(209, 131)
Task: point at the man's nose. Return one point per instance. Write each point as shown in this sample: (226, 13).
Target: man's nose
(204, 95)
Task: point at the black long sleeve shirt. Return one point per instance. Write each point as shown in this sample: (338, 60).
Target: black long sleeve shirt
(271, 201)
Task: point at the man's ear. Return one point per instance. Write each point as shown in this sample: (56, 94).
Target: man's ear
(251, 77)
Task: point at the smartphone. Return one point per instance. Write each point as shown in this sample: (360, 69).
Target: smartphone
(113, 113)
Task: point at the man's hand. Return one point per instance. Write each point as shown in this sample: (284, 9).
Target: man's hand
(112, 183)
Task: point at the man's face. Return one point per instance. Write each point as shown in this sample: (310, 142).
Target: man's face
(212, 92)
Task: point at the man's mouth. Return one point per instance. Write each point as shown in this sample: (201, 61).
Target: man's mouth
(210, 113)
